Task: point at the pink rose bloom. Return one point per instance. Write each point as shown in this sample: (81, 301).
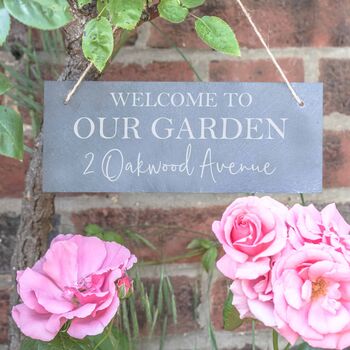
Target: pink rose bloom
(308, 225)
(251, 231)
(75, 280)
(254, 299)
(311, 288)
(125, 287)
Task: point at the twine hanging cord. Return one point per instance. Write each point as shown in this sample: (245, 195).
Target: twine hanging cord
(274, 61)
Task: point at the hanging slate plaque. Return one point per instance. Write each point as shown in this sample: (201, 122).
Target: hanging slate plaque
(182, 137)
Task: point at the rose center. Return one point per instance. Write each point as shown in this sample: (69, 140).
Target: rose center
(319, 288)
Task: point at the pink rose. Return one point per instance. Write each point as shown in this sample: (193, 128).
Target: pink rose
(125, 287)
(311, 288)
(75, 280)
(251, 231)
(308, 225)
(253, 299)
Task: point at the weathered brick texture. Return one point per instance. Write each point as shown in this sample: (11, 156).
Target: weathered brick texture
(303, 23)
(156, 71)
(256, 70)
(168, 230)
(335, 73)
(4, 308)
(336, 159)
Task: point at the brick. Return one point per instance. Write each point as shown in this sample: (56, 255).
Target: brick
(156, 71)
(12, 173)
(300, 23)
(335, 74)
(256, 70)
(4, 309)
(169, 230)
(336, 171)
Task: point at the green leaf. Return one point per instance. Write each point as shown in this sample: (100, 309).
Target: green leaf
(172, 11)
(62, 341)
(231, 316)
(209, 259)
(102, 8)
(126, 13)
(111, 236)
(5, 83)
(217, 34)
(98, 42)
(29, 344)
(41, 14)
(82, 3)
(11, 133)
(5, 23)
(192, 3)
(93, 229)
(200, 243)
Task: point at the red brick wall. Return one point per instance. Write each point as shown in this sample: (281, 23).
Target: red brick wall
(311, 40)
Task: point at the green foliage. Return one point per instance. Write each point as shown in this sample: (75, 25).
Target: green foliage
(61, 342)
(200, 243)
(82, 3)
(209, 259)
(109, 236)
(5, 84)
(27, 86)
(11, 133)
(209, 252)
(213, 343)
(126, 13)
(231, 316)
(172, 11)
(41, 14)
(102, 8)
(5, 23)
(98, 42)
(192, 3)
(113, 236)
(217, 34)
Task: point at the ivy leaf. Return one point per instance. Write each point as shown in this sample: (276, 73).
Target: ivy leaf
(41, 14)
(11, 133)
(217, 34)
(231, 316)
(98, 42)
(209, 259)
(5, 83)
(82, 3)
(172, 11)
(126, 13)
(5, 23)
(192, 3)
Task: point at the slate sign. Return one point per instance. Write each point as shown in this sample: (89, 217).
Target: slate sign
(182, 137)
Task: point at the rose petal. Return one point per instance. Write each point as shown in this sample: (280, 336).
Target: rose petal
(33, 324)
